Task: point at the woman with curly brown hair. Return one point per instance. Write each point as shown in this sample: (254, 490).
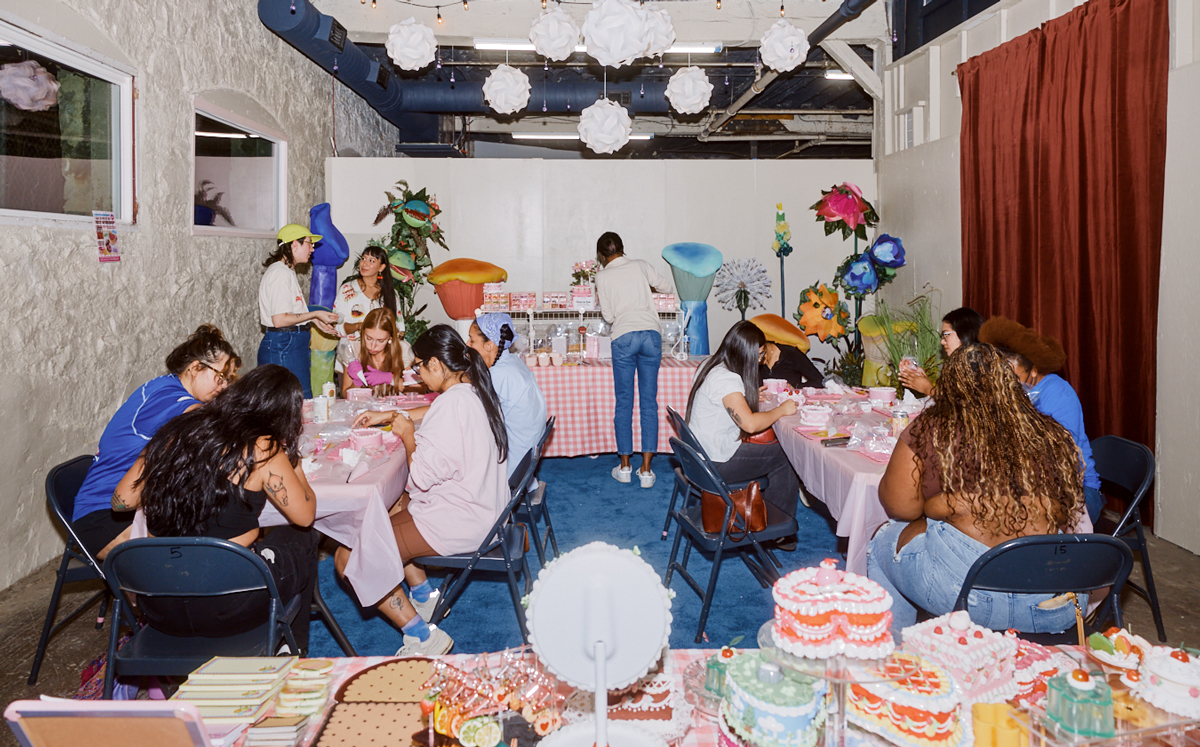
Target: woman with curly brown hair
(979, 467)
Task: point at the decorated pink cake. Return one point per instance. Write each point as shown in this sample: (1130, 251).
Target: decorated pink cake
(918, 705)
(815, 416)
(1034, 665)
(820, 612)
(979, 660)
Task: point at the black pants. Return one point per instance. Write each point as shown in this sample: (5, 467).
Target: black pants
(290, 553)
(755, 460)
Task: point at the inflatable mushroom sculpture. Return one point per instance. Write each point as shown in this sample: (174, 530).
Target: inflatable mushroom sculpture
(781, 332)
(694, 266)
(459, 285)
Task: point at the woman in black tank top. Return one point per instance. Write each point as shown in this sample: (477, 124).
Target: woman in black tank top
(209, 473)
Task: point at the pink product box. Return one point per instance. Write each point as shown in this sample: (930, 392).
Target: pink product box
(582, 298)
(493, 287)
(555, 300)
(522, 301)
(665, 301)
(495, 302)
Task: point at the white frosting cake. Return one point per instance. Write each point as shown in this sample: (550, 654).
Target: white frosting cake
(820, 612)
(1170, 679)
(815, 415)
(980, 660)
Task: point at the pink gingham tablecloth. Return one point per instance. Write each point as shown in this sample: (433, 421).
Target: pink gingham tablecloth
(583, 400)
(703, 732)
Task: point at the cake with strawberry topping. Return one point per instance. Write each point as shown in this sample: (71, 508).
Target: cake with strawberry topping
(1081, 704)
(1034, 665)
(980, 660)
(917, 704)
(1170, 679)
(822, 611)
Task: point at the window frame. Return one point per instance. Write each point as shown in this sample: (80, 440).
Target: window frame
(202, 106)
(124, 195)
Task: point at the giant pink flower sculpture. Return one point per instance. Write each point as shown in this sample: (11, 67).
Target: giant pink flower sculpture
(844, 208)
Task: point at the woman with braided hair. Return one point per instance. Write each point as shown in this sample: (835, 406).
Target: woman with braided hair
(979, 467)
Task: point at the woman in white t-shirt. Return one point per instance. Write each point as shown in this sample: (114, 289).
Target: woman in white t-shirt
(282, 309)
(723, 405)
(361, 294)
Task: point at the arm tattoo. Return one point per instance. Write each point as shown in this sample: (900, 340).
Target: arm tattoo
(275, 488)
(118, 503)
(737, 421)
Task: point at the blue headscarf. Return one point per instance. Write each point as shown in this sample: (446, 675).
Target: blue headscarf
(491, 324)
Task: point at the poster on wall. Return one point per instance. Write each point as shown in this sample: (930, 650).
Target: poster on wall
(106, 236)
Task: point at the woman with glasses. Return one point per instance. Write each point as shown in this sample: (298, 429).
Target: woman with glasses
(198, 369)
(384, 354)
(282, 309)
(723, 405)
(959, 327)
(457, 483)
(210, 473)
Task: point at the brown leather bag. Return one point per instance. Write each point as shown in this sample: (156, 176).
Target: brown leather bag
(763, 437)
(747, 503)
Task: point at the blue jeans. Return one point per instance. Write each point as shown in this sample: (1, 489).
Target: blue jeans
(637, 353)
(1094, 500)
(290, 350)
(928, 573)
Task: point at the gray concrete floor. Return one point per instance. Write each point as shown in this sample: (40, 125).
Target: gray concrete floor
(23, 609)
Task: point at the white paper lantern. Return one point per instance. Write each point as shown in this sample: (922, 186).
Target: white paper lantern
(615, 32)
(411, 45)
(689, 90)
(660, 32)
(28, 86)
(554, 34)
(784, 47)
(605, 126)
(507, 90)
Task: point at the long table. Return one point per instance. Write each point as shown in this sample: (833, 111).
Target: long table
(582, 400)
(845, 481)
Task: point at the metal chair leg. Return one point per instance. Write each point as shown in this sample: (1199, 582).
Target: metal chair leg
(1150, 590)
(50, 613)
(708, 594)
(674, 554)
(323, 612)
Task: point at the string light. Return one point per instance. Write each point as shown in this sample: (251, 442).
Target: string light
(543, 4)
(439, 15)
(782, 12)
(372, 3)
(718, 4)
(466, 5)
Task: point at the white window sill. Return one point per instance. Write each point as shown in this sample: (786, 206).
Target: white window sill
(234, 233)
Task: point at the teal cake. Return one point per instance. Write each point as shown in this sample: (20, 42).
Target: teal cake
(1080, 703)
(770, 707)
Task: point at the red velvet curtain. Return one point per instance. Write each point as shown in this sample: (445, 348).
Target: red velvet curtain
(1063, 151)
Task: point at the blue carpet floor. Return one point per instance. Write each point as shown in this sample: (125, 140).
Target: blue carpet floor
(586, 505)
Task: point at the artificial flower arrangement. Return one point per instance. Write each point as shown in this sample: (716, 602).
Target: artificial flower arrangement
(583, 273)
(844, 208)
(742, 284)
(407, 247)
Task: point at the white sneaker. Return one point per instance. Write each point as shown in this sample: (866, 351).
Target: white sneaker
(646, 478)
(425, 609)
(438, 643)
(622, 474)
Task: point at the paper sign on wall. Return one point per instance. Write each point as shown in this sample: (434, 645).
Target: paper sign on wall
(106, 236)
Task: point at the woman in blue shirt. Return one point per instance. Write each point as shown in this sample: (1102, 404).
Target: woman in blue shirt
(1035, 359)
(521, 400)
(199, 369)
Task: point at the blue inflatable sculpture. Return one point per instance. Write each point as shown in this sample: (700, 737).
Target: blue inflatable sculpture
(694, 266)
(329, 254)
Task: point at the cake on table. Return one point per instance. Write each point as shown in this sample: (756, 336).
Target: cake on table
(1170, 679)
(652, 703)
(815, 416)
(923, 707)
(821, 612)
(1081, 704)
(981, 661)
(1034, 665)
(769, 707)
(1118, 649)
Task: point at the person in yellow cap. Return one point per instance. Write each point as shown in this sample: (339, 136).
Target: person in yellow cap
(282, 308)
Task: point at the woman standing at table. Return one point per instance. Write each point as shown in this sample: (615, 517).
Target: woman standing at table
(198, 370)
(959, 327)
(282, 309)
(1035, 359)
(361, 294)
(723, 405)
(520, 397)
(623, 288)
(380, 364)
(978, 467)
(209, 473)
(457, 487)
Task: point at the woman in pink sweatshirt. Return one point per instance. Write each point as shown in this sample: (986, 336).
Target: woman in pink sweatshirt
(457, 483)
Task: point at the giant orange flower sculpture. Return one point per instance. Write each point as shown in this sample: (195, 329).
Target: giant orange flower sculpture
(821, 313)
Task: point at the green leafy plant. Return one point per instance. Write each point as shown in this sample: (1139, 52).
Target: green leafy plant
(407, 246)
(910, 331)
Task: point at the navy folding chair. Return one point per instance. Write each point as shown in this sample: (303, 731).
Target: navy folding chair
(190, 567)
(1054, 564)
(1126, 470)
(532, 509)
(502, 551)
(62, 485)
(690, 526)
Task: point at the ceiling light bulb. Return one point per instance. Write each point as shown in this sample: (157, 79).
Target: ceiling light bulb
(782, 12)
(466, 5)
(718, 4)
(543, 4)
(372, 3)
(439, 15)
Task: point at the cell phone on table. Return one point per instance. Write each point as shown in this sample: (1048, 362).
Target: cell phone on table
(839, 441)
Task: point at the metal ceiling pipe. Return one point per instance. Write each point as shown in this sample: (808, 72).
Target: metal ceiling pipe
(558, 98)
(848, 11)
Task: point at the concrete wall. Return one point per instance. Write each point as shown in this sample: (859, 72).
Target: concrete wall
(536, 218)
(919, 198)
(80, 332)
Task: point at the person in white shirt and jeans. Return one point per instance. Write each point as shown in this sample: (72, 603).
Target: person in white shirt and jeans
(623, 288)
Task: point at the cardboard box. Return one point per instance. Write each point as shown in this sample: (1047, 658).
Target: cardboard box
(522, 301)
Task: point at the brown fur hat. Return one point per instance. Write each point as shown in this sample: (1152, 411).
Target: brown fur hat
(1046, 353)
